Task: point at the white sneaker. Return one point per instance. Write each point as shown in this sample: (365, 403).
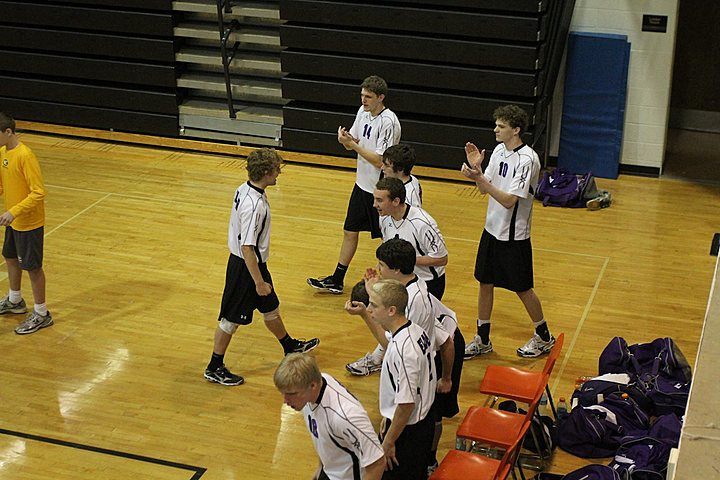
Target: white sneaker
(536, 346)
(364, 366)
(33, 323)
(476, 347)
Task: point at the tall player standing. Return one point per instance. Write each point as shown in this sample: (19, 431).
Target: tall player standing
(375, 129)
(504, 257)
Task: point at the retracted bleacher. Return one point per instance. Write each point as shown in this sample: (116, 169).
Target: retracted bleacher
(449, 64)
(98, 64)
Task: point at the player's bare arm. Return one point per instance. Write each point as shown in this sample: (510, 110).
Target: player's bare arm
(399, 421)
(447, 353)
(375, 470)
(261, 286)
(507, 200)
(358, 308)
(428, 261)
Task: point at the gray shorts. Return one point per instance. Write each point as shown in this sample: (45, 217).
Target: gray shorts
(27, 247)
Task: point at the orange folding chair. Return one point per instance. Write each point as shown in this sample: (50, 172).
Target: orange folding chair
(459, 465)
(518, 384)
(497, 428)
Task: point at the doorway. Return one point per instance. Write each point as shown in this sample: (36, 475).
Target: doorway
(693, 140)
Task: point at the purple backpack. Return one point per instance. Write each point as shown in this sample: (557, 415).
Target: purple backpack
(587, 433)
(659, 369)
(646, 458)
(594, 391)
(659, 357)
(593, 472)
(562, 188)
(597, 431)
(642, 458)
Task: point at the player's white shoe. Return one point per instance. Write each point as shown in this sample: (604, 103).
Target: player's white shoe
(364, 366)
(536, 346)
(476, 348)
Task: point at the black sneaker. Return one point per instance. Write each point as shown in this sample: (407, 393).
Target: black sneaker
(326, 283)
(302, 346)
(223, 376)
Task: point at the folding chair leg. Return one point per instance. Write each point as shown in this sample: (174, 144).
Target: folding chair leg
(552, 404)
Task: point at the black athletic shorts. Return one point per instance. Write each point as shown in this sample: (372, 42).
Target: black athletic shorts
(361, 215)
(505, 264)
(412, 449)
(240, 298)
(27, 247)
(446, 404)
(436, 286)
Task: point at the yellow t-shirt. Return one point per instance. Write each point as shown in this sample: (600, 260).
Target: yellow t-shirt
(22, 184)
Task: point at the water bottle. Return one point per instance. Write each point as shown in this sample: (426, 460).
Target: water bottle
(542, 406)
(562, 410)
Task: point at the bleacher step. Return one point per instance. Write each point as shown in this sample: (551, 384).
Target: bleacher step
(261, 90)
(246, 9)
(246, 34)
(245, 111)
(244, 62)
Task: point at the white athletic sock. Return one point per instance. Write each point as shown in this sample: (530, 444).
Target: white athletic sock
(41, 309)
(15, 296)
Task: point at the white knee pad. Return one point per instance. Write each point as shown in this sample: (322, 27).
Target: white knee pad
(228, 327)
(272, 316)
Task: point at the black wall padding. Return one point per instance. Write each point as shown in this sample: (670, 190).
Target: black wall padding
(78, 18)
(415, 128)
(95, 64)
(91, 69)
(414, 74)
(517, 6)
(467, 107)
(159, 5)
(410, 19)
(413, 47)
(91, 95)
(449, 65)
(91, 44)
(93, 117)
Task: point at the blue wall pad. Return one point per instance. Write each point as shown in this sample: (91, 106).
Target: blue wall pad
(594, 103)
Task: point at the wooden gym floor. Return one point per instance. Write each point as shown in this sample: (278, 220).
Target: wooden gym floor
(135, 260)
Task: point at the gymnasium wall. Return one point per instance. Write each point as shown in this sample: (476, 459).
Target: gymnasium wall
(649, 78)
(100, 64)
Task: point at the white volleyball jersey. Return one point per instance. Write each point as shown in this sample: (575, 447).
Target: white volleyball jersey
(516, 172)
(421, 230)
(341, 431)
(413, 192)
(250, 222)
(445, 321)
(408, 373)
(377, 134)
(419, 308)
